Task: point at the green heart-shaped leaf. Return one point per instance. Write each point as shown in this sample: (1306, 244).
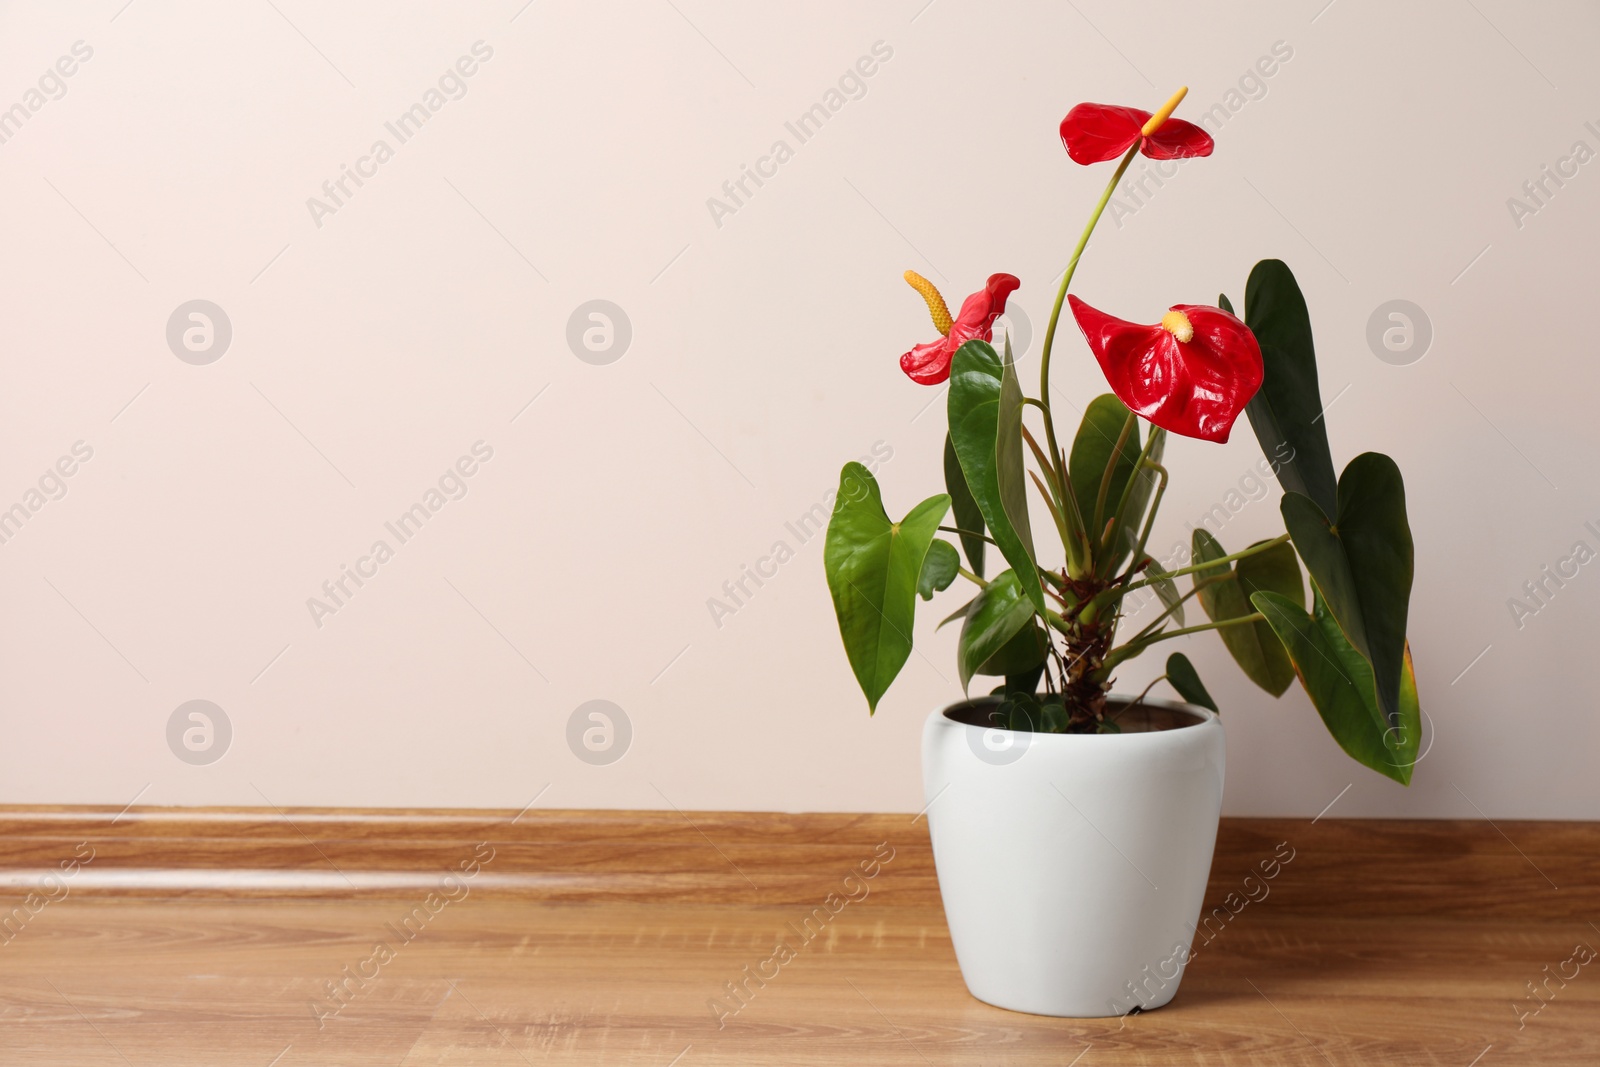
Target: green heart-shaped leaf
(873, 566)
(939, 569)
(1225, 594)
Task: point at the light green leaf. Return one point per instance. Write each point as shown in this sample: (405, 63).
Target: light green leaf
(999, 614)
(939, 569)
(873, 566)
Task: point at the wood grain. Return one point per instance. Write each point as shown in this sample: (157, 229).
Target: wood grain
(610, 937)
(1354, 868)
(109, 982)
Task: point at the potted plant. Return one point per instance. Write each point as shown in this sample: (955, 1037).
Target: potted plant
(1073, 829)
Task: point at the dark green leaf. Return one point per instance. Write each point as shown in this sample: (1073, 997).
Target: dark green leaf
(983, 422)
(1186, 680)
(1287, 413)
(1020, 656)
(1224, 303)
(1362, 564)
(1011, 473)
(1026, 681)
(1091, 454)
(1225, 594)
(999, 613)
(1276, 569)
(1054, 716)
(939, 569)
(1139, 491)
(1338, 680)
(1020, 711)
(873, 566)
(968, 515)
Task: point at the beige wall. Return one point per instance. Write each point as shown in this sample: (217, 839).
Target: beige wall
(375, 345)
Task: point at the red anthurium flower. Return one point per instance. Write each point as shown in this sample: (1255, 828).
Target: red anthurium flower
(929, 364)
(1094, 133)
(1191, 374)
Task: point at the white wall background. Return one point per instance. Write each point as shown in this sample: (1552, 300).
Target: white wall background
(371, 351)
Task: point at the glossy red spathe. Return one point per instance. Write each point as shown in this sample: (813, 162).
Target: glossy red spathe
(1094, 133)
(1195, 386)
(929, 364)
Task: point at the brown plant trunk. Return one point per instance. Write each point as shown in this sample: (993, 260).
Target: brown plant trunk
(1080, 663)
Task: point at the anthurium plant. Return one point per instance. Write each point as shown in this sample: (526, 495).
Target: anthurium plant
(1051, 626)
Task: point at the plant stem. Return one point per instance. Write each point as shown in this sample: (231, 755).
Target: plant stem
(1129, 425)
(1254, 616)
(1061, 294)
(1044, 464)
(1140, 698)
(1251, 551)
(1056, 622)
(1056, 514)
(1136, 647)
(969, 576)
(1150, 520)
(1117, 520)
(1155, 506)
(969, 533)
(1173, 608)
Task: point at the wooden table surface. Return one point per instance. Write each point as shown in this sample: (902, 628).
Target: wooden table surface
(250, 938)
(485, 982)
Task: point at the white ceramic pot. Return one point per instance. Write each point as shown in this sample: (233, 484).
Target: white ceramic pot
(1073, 866)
